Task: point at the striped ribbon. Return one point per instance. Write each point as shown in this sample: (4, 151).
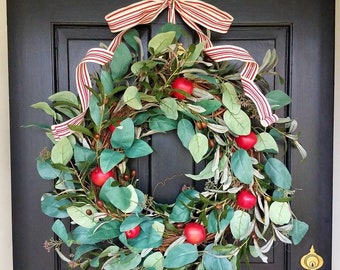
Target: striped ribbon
(195, 14)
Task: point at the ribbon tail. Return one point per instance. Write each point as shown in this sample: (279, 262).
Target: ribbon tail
(83, 80)
(248, 74)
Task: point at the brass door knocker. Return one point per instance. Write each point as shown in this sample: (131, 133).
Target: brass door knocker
(311, 260)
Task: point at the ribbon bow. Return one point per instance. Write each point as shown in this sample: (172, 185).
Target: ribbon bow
(193, 13)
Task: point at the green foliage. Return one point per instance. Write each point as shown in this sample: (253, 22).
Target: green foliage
(133, 94)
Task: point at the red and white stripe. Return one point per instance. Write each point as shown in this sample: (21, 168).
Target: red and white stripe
(248, 74)
(194, 13)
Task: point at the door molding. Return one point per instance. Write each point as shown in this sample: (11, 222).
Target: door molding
(336, 143)
(5, 168)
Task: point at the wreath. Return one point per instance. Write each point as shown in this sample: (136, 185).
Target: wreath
(244, 205)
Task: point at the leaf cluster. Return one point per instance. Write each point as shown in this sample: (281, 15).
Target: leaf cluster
(132, 95)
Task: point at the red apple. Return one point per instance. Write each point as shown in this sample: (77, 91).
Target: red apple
(182, 84)
(246, 142)
(113, 127)
(99, 178)
(133, 233)
(246, 199)
(195, 233)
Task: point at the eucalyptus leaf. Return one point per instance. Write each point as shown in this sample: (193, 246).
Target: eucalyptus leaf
(160, 42)
(124, 198)
(109, 251)
(278, 173)
(139, 148)
(214, 260)
(210, 105)
(195, 51)
(238, 124)
(198, 146)
(230, 99)
(180, 211)
(131, 97)
(62, 151)
(80, 215)
(299, 231)
(83, 156)
(126, 262)
(124, 135)
(216, 223)
(205, 174)
(162, 123)
(280, 213)
(266, 143)
(130, 39)
(240, 224)
(59, 229)
(64, 96)
(151, 235)
(83, 249)
(102, 231)
(185, 131)
(277, 99)
(181, 255)
(46, 170)
(155, 261)
(106, 80)
(121, 61)
(46, 108)
(109, 159)
(95, 111)
(50, 206)
(241, 166)
(169, 107)
(132, 221)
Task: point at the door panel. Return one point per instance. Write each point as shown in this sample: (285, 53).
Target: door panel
(50, 38)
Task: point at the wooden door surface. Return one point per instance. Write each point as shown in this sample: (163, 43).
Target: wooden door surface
(47, 39)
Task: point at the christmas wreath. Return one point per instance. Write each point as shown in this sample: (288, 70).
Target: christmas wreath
(244, 206)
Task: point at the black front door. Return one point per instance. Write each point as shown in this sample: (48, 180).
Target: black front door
(47, 39)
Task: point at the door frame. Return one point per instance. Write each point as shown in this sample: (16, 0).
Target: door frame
(5, 168)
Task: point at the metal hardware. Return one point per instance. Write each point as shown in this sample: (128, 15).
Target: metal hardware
(311, 261)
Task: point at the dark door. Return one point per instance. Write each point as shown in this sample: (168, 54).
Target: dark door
(47, 39)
